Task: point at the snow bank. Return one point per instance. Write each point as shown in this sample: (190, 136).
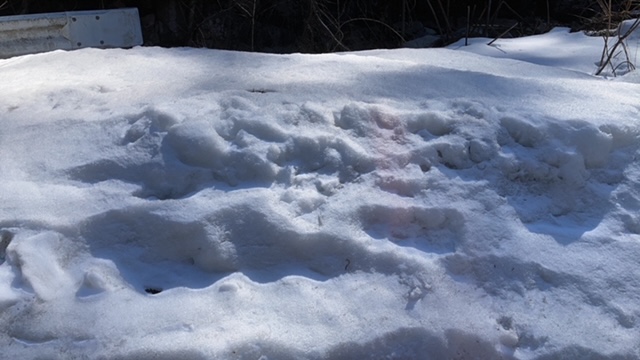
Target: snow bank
(400, 204)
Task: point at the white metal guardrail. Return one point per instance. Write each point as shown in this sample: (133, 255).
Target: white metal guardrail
(28, 34)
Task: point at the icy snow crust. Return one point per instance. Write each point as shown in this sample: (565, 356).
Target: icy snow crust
(431, 204)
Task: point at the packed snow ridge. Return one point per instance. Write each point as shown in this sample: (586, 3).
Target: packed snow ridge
(405, 204)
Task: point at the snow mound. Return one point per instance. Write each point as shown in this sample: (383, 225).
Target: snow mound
(318, 207)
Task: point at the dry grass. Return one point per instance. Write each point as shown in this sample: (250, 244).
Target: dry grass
(615, 35)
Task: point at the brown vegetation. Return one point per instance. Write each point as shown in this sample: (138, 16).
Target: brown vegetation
(335, 25)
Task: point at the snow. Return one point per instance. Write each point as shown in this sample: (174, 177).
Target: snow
(476, 202)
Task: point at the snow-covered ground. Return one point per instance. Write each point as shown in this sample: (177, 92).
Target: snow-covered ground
(464, 203)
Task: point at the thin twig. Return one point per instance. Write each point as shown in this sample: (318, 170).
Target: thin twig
(503, 34)
(252, 16)
(548, 16)
(435, 17)
(445, 16)
(613, 51)
(466, 38)
(338, 41)
(377, 22)
(486, 29)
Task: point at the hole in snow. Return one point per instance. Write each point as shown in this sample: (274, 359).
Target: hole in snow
(5, 238)
(153, 290)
